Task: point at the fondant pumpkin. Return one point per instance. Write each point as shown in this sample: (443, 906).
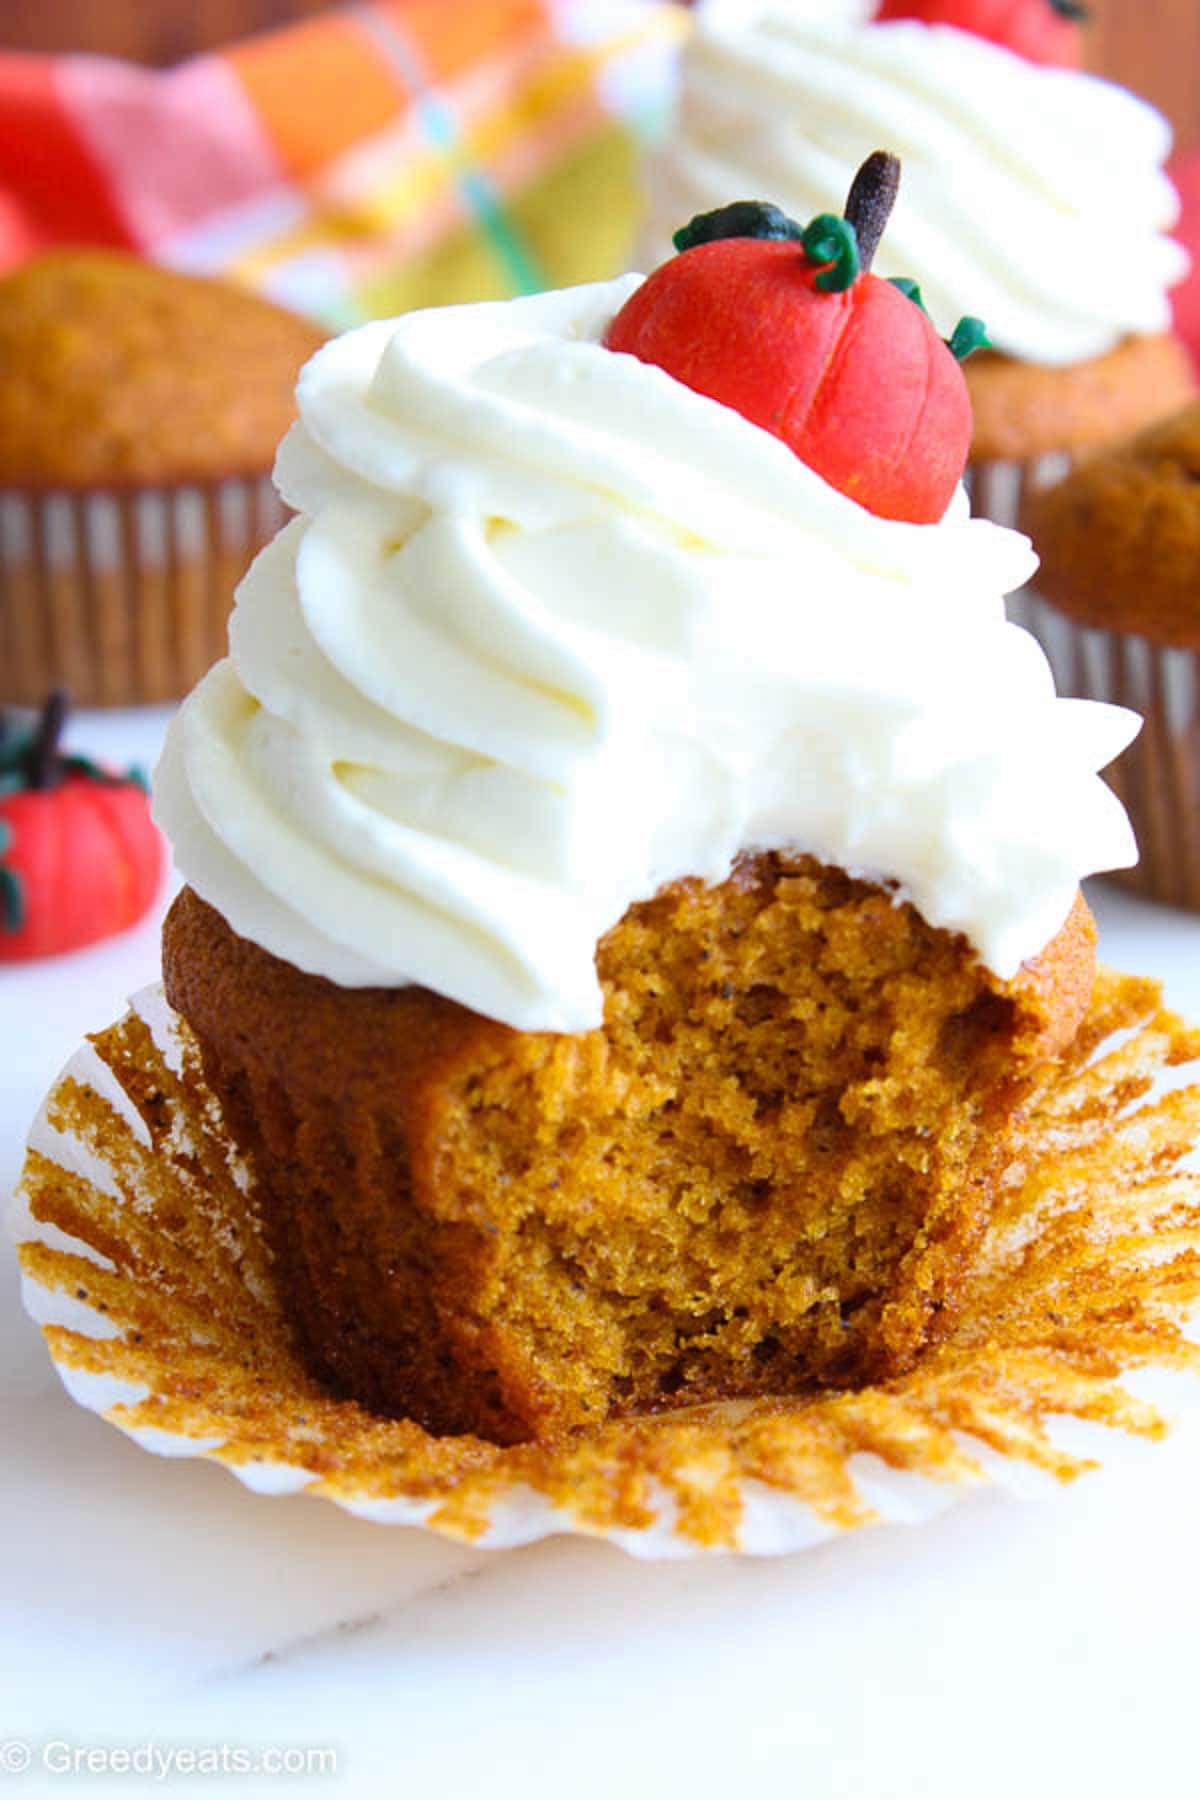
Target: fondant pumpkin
(80, 857)
(786, 326)
(1043, 31)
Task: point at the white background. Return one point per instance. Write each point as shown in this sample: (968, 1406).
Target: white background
(1007, 1648)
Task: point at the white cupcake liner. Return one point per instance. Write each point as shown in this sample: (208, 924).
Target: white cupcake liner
(123, 596)
(143, 1263)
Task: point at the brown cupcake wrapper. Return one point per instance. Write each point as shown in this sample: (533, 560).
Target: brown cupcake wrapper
(123, 596)
(1157, 779)
(998, 489)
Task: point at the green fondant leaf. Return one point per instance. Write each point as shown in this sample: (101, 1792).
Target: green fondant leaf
(741, 219)
(968, 335)
(12, 901)
(832, 240)
(12, 893)
(911, 291)
(16, 741)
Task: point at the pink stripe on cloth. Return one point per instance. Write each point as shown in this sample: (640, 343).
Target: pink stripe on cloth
(179, 148)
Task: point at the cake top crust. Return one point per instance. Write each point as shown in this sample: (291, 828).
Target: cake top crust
(1120, 535)
(114, 371)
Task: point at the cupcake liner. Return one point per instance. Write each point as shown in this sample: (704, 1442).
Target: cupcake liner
(143, 1261)
(997, 489)
(123, 596)
(1157, 779)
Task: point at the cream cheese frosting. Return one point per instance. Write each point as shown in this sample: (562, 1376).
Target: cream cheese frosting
(1034, 198)
(551, 630)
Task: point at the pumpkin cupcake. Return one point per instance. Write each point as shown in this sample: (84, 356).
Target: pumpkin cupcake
(633, 865)
(1116, 603)
(1035, 196)
(139, 410)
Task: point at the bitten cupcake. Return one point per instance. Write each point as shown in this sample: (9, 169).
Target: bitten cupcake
(1116, 603)
(1034, 196)
(139, 411)
(633, 866)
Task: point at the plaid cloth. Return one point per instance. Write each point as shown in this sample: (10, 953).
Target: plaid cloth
(374, 158)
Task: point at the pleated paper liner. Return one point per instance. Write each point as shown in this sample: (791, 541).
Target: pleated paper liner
(143, 1262)
(1158, 778)
(123, 597)
(997, 489)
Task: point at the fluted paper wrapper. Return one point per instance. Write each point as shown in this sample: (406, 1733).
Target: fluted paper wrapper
(144, 1264)
(123, 596)
(997, 489)
(1157, 779)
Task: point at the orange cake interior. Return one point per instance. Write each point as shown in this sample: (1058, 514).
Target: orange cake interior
(766, 1172)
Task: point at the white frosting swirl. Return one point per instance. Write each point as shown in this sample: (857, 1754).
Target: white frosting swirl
(552, 630)
(1033, 198)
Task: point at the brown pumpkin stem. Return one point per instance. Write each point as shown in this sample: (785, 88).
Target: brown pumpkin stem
(870, 201)
(43, 761)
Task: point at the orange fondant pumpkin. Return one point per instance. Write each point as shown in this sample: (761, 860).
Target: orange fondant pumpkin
(1043, 31)
(786, 327)
(80, 857)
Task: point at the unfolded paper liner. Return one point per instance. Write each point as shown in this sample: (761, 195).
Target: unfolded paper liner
(143, 1262)
(123, 596)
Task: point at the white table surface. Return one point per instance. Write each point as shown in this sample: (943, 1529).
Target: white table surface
(1007, 1648)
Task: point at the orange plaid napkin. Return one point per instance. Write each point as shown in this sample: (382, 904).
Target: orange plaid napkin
(374, 158)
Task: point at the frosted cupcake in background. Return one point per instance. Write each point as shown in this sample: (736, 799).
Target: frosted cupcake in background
(1034, 196)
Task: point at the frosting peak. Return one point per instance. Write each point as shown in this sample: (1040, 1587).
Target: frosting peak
(552, 630)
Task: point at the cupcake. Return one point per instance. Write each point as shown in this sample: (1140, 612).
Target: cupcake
(139, 410)
(1116, 605)
(633, 866)
(1034, 198)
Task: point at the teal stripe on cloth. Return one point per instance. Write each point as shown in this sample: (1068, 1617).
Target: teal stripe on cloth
(442, 131)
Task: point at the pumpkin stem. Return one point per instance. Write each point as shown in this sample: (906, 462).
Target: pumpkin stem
(870, 201)
(1071, 9)
(43, 761)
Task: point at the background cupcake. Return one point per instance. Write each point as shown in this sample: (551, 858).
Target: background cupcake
(1034, 197)
(1117, 607)
(139, 413)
